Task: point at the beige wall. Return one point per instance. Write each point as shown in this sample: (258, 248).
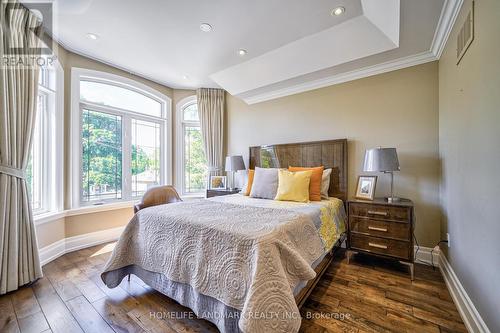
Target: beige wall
(469, 143)
(87, 223)
(397, 109)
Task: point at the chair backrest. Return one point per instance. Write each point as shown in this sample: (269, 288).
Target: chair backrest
(158, 195)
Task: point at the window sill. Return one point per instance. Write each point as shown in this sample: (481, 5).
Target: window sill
(52, 216)
(48, 217)
(100, 208)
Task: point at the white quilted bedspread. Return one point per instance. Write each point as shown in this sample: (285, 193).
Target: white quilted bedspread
(249, 258)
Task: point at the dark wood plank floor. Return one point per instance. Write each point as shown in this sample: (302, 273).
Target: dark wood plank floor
(360, 297)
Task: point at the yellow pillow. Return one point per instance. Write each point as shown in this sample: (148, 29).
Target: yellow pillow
(293, 186)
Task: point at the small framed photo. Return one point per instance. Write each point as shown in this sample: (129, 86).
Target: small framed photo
(217, 183)
(366, 187)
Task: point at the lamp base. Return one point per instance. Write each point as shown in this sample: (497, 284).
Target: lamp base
(392, 199)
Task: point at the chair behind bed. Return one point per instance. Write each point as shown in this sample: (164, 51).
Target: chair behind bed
(158, 195)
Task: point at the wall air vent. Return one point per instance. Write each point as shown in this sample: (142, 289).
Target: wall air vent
(466, 34)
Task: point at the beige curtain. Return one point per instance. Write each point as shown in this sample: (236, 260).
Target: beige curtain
(211, 109)
(19, 261)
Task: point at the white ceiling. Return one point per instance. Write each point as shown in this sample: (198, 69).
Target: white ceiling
(289, 42)
(375, 31)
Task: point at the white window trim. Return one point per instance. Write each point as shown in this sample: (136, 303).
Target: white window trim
(53, 136)
(78, 74)
(179, 145)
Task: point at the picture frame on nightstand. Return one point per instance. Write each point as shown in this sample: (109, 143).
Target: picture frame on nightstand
(217, 183)
(365, 190)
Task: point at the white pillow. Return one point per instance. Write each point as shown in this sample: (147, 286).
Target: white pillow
(325, 183)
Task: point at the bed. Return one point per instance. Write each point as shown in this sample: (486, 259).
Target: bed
(244, 264)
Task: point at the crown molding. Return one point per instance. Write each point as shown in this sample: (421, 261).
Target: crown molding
(449, 14)
(385, 67)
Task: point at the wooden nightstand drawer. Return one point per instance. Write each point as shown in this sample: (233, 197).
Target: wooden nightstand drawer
(378, 228)
(380, 212)
(388, 247)
(218, 193)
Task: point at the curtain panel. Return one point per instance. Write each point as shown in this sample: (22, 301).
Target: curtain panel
(19, 259)
(211, 104)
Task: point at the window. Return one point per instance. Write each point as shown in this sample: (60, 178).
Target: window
(101, 156)
(111, 95)
(45, 161)
(192, 165)
(35, 165)
(146, 151)
(120, 138)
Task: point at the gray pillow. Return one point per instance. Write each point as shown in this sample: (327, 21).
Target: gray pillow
(265, 183)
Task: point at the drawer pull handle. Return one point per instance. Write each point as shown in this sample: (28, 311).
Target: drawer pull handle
(377, 228)
(379, 246)
(373, 212)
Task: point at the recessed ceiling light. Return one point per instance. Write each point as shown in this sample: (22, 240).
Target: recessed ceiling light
(242, 52)
(338, 11)
(92, 36)
(205, 27)
(185, 77)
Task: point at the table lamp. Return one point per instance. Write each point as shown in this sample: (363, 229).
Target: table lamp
(233, 164)
(383, 160)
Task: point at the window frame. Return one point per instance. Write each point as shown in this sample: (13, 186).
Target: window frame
(77, 106)
(51, 135)
(181, 124)
(41, 176)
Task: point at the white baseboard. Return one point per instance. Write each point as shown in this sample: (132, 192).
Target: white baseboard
(424, 256)
(471, 317)
(70, 244)
(52, 251)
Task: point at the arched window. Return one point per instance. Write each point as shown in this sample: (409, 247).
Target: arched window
(191, 162)
(121, 137)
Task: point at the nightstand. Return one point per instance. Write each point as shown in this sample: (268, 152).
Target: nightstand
(216, 193)
(381, 228)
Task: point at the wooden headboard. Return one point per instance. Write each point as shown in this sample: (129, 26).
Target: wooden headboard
(330, 154)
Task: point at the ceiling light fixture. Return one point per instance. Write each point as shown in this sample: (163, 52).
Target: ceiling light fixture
(92, 36)
(242, 52)
(185, 77)
(338, 11)
(205, 27)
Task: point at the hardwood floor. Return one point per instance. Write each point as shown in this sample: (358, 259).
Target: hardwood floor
(360, 297)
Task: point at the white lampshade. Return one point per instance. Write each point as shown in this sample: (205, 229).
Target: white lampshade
(235, 163)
